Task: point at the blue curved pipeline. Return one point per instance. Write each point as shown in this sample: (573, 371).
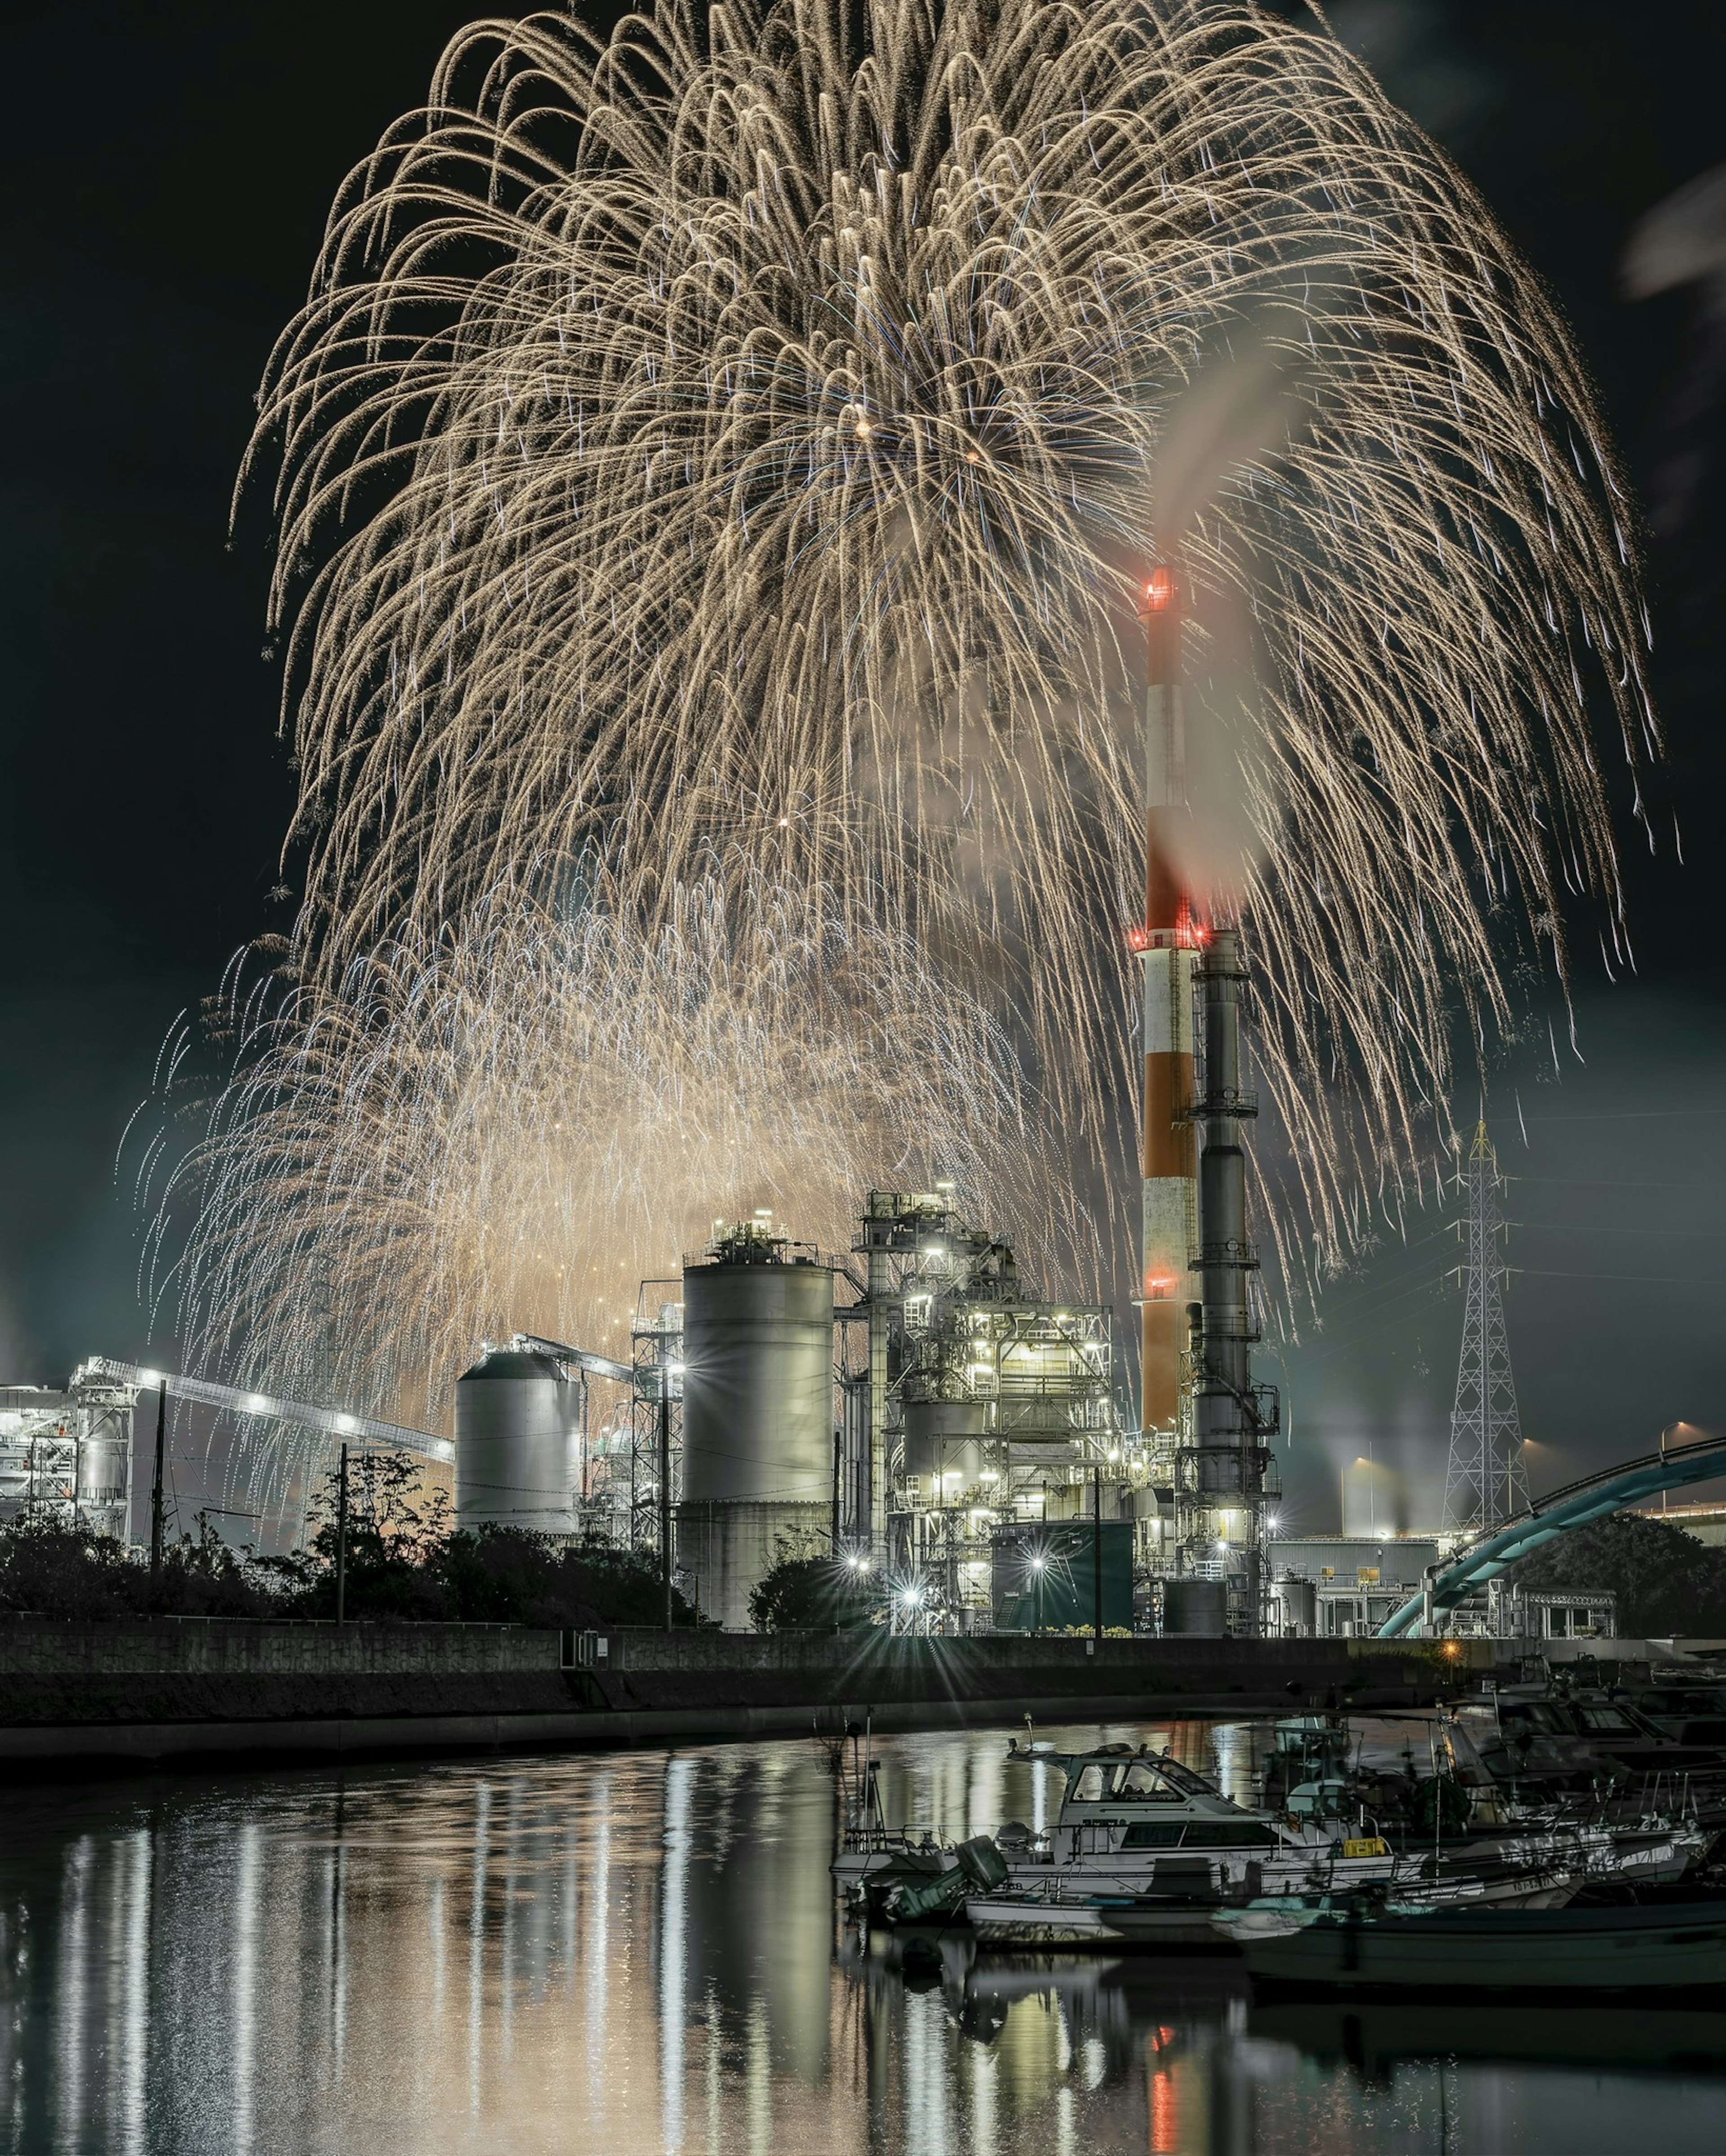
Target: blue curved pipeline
(1561, 1513)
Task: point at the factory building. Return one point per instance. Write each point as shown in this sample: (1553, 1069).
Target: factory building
(980, 1426)
(1344, 1586)
(67, 1455)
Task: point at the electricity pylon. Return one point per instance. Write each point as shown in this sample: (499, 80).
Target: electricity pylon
(1485, 1482)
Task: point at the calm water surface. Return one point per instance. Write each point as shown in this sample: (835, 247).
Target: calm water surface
(638, 1952)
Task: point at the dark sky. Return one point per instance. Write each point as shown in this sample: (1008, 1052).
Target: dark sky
(172, 166)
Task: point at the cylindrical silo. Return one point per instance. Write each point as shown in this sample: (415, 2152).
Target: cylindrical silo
(757, 1419)
(518, 1443)
(944, 1439)
(105, 1474)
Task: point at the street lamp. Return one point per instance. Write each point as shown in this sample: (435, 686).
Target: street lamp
(1039, 1566)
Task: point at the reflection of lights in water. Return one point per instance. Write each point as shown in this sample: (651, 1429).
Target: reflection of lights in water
(680, 1776)
(134, 2040)
(476, 1944)
(1226, 1747)
(70, 1988)
(598, 1945)
(679, 1995)
(245, 1981)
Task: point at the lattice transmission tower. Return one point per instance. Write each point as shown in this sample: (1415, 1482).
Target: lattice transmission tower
(1485, 1481)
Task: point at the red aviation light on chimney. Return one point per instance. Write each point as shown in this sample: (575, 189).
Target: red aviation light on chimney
(1191, 933)
(1159, 594)
(1138, 938)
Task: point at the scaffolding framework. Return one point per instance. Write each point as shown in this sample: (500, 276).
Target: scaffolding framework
(1485, 1481)
(975, 1412)
(67, 1454)
(656, 1343)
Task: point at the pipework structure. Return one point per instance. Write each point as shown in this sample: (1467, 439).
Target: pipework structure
(984, 1411)
(1225, 1470)
(654, 1454)
(67, 1454)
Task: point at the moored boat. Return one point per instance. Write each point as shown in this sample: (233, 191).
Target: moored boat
(1058, 1913)
(1667, 1947)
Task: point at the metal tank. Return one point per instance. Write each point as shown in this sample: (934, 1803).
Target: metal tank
(518, 1443)
(945, 1438)
(1294, 1605)
(1197, 1609)
(104, 1470)
(758, 1416)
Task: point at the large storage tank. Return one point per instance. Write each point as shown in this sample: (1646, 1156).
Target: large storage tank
(757, 1416)
(518, 1443)
(1198, 1609)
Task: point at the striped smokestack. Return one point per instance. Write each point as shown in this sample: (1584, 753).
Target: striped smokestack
(1167, 941)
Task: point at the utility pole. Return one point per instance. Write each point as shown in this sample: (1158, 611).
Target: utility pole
(665, 1484)
(341, 1542)
(155, 1490)
(1097, 1545)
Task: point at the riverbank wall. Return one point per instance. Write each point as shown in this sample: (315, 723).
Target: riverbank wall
(81, 1697)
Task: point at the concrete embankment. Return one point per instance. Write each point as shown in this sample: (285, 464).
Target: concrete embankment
(81, 1697)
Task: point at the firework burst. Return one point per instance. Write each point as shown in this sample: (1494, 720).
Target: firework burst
(737, 440)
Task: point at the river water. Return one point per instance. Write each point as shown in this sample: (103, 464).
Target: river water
(638, 1952)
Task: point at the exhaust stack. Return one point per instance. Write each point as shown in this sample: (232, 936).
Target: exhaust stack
(1167, 943)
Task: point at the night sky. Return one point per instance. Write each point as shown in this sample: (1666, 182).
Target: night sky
(172, 169)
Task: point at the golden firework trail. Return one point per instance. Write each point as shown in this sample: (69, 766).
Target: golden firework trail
(726, 451)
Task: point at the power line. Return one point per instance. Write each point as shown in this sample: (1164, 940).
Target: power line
(1627, 1115)
(1654, 1279)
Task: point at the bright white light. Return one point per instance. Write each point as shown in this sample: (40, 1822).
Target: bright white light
(675, 1368)
(151, 1377)
(1222, 1545)
(989, 1475)
(1274, 1521)
(346, 1423)
(1038, 1562)
(256, 1403)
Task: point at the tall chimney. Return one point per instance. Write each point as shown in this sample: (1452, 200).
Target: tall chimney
(1167, 942)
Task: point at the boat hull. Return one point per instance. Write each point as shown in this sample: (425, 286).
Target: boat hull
(1043, 1927)
(1674, 1948)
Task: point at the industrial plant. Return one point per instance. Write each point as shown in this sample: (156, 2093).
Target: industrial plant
(918, 1412)
(916, 1408)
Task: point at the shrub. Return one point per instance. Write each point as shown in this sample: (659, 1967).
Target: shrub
(1666, 1581)
(814, 1594)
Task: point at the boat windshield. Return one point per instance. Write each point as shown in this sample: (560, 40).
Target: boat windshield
(1146, 1781)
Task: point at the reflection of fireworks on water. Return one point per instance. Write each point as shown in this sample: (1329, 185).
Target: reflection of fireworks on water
(745, 435)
